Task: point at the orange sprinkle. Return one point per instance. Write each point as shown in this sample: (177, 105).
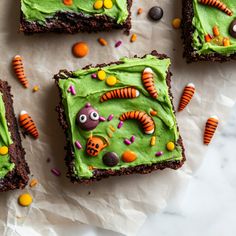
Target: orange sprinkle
(80, 49)
(90, 167)
(140, 11)
(33, 183)
(226, 42)
(153, 113)
(207, 38)
(129, 156)
(35, 88)
(216, 31)
(102, 41)
(109, 134)
(133, 38)
(68, 2)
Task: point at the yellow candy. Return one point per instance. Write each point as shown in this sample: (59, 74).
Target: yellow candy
(3, 150)
(153, 141)
(98, 4)
(111, 80)
(101, 74)
(170, 146)
(25, 199)
(176, 22)
(108, 4)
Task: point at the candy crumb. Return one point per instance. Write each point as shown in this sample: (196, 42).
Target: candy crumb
(132, 139)
(112, 128)
(33, 183)
(133, 38)
(176, 23)
(118, 43)
(56, 171)
(35, 88)
(120, 124)
(127, 141)
(158, 154)
(25, 199)
(140, 11)
(102, 41)
(110, 117)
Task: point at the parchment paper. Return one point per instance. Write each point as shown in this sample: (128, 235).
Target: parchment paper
(120, 204)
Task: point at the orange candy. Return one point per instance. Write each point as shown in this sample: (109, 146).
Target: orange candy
(80, 49)
(68, 2)
(129, 156)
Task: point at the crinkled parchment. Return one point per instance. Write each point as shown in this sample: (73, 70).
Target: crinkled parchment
(120, 204)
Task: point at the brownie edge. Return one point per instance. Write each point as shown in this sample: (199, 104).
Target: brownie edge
(18, 177)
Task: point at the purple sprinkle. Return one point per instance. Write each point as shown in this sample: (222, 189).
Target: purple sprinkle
(94, 76)
(72, 89)
(56, 171)
(78, 145)
(110, 117)
(69, 90)
(118, 43)
(88, 105)
(158, 154)
(120, 124)
(101, 118)
(127, 141)
(132, 139)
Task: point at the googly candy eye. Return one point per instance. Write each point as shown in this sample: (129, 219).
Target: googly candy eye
(82, 118)
(94, 115)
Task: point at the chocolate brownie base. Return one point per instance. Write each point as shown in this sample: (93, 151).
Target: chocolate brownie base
(187, 34)
(99, 174)
(69, 22)
(18, 177)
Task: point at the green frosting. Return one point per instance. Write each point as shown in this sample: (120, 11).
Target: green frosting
(205, 18)
(90, 90)
(5, 140)
(35, 10)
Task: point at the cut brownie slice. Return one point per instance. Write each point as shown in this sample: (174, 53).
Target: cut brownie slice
(118, 119)
(80, 16)
(13, 167)
(209, 30)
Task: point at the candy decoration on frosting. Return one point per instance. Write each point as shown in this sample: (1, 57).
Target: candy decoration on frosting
(3, 150)
(68, 2)
(210, 128)
(28, 124)
(110, 159)
(226, 41)
(95, 145)
(129, 156)
(217, 4)
(148, 82)
(153, 141)
(18, 67)
(146, 121)
(128, 92)
(170, 146)
(187, 95)
(208, 38)
(232, 28)
(88, 118)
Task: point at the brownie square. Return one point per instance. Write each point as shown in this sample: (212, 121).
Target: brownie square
(115, 122)
(80, 16)
(13, 167)
(207, 30)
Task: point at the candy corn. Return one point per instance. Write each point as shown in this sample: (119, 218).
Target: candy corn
(187, 95)
(210, 129)
(28, 124)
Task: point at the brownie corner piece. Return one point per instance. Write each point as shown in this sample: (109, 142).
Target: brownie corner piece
(72, 19)
(119, 128)
(14, 170)
(204, 39)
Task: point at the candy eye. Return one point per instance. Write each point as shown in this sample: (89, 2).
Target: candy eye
(82, 118)
(94, 115)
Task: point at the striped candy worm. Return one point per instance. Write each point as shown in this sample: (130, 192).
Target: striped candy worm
(28, 124)
(210, 129)
(128, 92)
(148, 82)
(186, 97)
(217, 4)
(18, 67)
(146, 121)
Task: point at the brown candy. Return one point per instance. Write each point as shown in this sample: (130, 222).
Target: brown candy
(232, 28)
(110, 159)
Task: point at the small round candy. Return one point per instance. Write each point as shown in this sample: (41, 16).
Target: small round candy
(170, 146)
(232, 29)
(3, 150)
(80, 49)
(176, 22)
(129, 156)
(155, 13)
(25, 199)
(68, 2)
(101, 74)
(110, 159)
(98, 4)
(111, 80)
(108, 4)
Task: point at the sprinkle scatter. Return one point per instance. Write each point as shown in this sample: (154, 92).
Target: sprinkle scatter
(112, 128)
(25, 199)
(210, 129)
(120, 124)
(148, 82)
(140, 11)
(153, 113)
(186, 97)
(123, 93)
(33, 183)
(170, 146)
(133, 38)
(102, 119)
(80, 49)
(176, 23)
(153, 141)
(27, 123)
(118, 44)
(146, 121)
(132, 139)
(35, 88)
(127, 141)
(158, 154)
(78, 144)
(18, 67)
(3, 150)
(129, 156)
(68, 2)
(110, 117)
(217, 4)
(110, 159)
(56, 172)
(94, 76)
(102, 41)
(72, 90)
